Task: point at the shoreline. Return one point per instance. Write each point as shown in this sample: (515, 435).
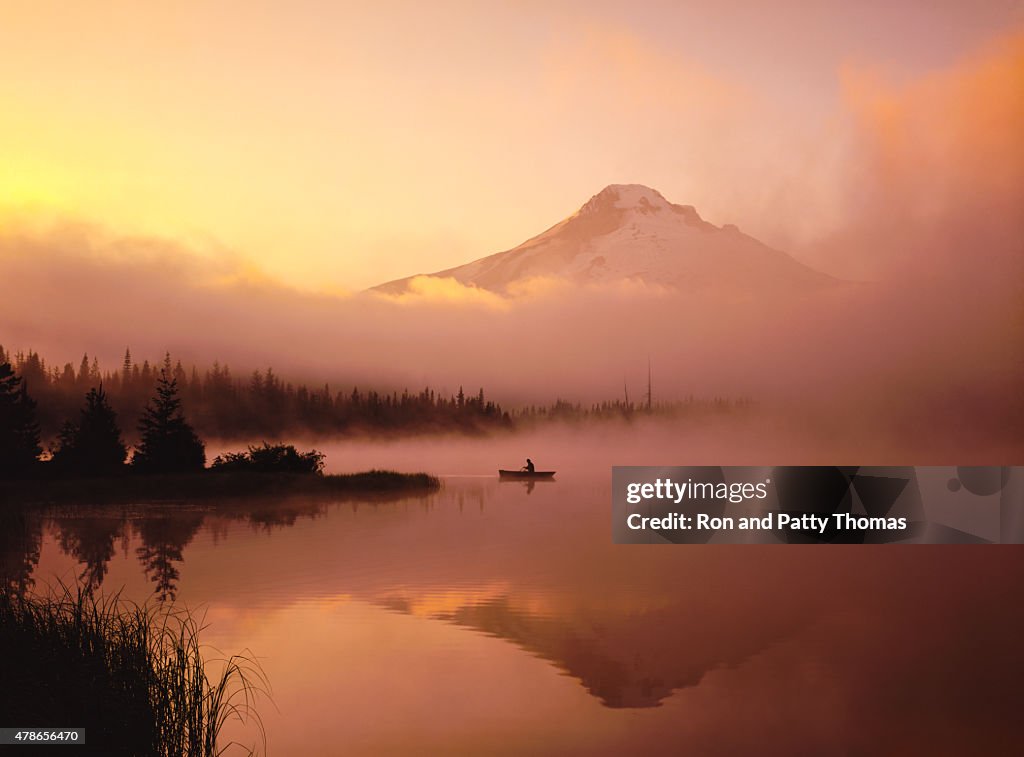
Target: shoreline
(207, 485)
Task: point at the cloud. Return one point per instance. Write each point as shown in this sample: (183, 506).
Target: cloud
(444, 291)
(883, 358)
(933, 180)
(448, 291)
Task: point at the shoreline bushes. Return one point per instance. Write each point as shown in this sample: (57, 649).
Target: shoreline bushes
(276, 458)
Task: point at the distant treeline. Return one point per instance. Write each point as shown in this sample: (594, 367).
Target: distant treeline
(220, 404)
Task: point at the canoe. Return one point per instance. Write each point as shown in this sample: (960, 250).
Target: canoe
(525, 475)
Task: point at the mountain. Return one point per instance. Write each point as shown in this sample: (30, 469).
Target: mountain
(631, 232)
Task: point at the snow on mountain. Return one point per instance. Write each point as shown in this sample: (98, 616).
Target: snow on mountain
(631, 232)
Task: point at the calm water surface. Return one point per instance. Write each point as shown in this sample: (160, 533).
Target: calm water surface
(499, 617)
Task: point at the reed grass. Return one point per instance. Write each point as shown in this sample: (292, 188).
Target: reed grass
(132, 676)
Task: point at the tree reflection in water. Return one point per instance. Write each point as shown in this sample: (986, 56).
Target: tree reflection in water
(21, 540)
(164, 539)
(90, 540)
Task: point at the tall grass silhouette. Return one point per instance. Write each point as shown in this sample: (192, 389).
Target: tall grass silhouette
(133, 676)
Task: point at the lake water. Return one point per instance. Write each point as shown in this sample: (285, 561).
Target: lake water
(498, 617)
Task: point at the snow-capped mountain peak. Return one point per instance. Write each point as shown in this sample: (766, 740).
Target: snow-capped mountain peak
(631, 232)
(626, 197)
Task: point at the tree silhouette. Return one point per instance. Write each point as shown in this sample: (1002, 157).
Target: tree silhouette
(19, 432)
(168, 443)
(242, 406)
(126, 368)
(93, 446)
(83, 373)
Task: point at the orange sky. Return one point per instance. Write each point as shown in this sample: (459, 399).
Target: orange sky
(336, 145)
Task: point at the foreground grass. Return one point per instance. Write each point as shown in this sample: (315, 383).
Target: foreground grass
(211, 484)
(132, 676)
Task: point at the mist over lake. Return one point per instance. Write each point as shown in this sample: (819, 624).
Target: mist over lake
(500, 617)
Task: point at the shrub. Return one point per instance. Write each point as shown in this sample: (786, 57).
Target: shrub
(271, 458)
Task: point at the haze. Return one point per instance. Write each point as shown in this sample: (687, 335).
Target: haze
(332, 146)
(217, 182)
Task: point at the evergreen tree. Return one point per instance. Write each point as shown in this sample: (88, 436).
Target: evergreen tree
(83, 372)
(168, 443)
(93, 446)
(19, 432)
(126, 369)
(179, 374)
(67, 380)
